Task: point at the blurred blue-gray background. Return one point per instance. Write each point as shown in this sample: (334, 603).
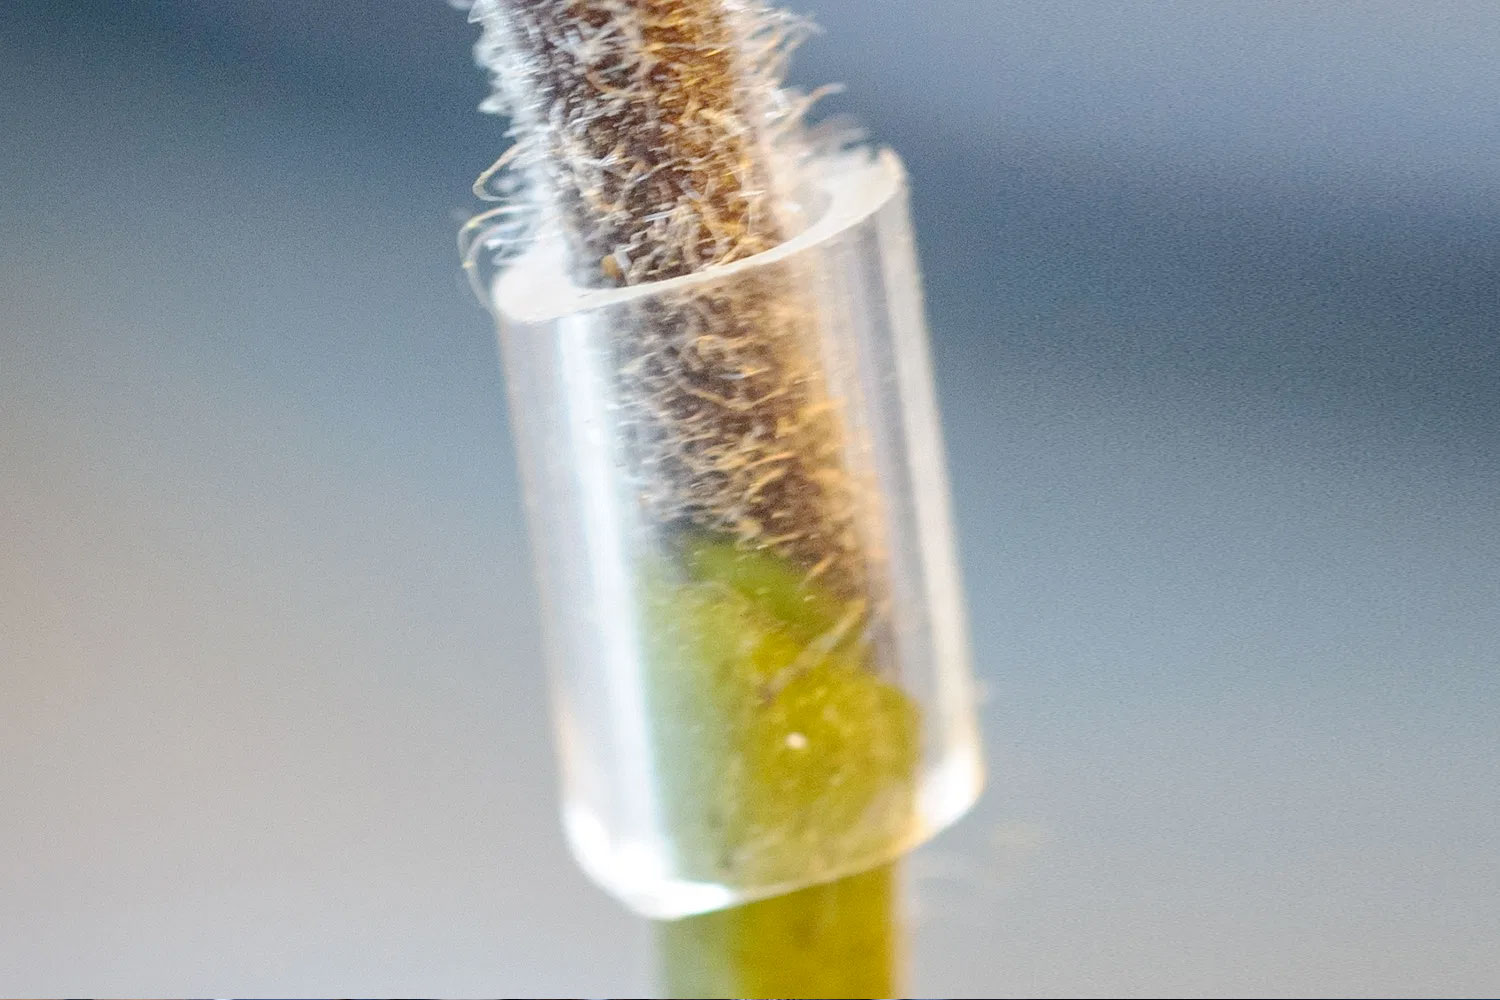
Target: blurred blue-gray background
(1215, 298)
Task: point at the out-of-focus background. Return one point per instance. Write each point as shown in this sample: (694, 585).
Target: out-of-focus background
(1215, 298)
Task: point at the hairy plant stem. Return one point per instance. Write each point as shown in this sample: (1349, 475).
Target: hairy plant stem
(643, 124)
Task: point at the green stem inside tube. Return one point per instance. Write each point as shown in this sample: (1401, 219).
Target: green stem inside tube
(784, 759)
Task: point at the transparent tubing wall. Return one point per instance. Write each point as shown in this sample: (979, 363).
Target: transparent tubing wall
(739, 510)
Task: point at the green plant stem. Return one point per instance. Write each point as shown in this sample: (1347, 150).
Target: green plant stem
(776, 768)
(840, 939)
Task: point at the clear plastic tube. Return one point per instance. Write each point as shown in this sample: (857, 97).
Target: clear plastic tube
(739, 511)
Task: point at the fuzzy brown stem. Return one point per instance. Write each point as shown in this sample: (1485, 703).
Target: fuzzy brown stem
(652, 150)
(652, 155)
